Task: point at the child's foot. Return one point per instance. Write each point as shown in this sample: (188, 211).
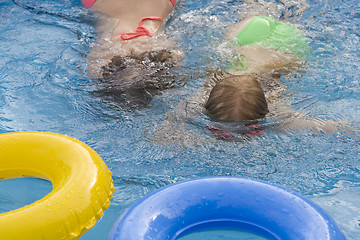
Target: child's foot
(157, 60)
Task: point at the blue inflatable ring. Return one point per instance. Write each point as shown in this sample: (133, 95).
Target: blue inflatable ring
(225, 203)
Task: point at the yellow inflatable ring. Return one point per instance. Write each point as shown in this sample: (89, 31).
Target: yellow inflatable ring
(82, 186)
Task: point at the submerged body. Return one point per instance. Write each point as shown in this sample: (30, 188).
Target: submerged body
(249, 99)
(132, 57)
(270, 49)
(129, 27)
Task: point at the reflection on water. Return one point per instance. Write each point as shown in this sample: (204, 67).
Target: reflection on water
(43, 87)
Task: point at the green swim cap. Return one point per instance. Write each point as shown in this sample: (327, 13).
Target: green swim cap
(269, 33)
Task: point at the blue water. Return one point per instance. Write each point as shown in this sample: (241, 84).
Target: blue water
(222, 235)
(43, 57)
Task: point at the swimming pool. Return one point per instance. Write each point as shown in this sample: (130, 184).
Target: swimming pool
(43, 48)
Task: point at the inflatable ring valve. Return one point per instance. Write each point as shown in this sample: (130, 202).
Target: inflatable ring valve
(82, 186)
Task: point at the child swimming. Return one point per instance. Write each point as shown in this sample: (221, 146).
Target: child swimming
(132, 56)
(241, 98)
(265, 50)
(248, 99)
(130, 29)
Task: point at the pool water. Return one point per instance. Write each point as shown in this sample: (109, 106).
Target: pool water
(43, 87)
(19, 192)
(222, 235)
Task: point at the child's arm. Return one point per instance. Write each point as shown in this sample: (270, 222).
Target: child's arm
(300, 121)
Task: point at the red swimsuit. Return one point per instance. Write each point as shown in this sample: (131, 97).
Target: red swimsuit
(246, 131)
(140, 30)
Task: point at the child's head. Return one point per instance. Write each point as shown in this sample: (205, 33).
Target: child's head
(237, 98)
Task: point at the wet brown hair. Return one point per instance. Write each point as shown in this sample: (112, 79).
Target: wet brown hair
(237, 98)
